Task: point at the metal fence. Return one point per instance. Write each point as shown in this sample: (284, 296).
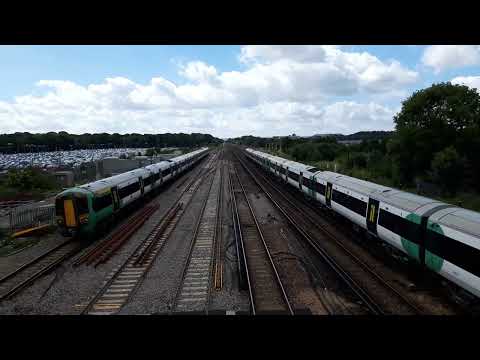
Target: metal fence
(31, 215)
(7, 206)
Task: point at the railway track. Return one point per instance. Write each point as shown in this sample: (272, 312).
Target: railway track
(125, 280)
(22, 277)
(218, 271)
(370, 287)
(107, 248)
(193, 292)
(266, 291)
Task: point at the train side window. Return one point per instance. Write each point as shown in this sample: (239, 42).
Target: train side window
(400, 226)
(319, 188)
(82, 205)
(148, 181)
(59, 207)
(350, 202)
(101, 202)
(128, 190)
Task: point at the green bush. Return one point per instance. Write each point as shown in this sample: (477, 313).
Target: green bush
(150, 152)
(28, 179)
(447, 170)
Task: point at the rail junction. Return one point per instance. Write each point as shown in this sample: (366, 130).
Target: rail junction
(223, 238)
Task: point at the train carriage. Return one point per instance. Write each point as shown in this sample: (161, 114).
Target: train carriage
(441, 237)
(83, 208)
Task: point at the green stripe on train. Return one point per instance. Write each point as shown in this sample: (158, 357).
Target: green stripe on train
(432, 261)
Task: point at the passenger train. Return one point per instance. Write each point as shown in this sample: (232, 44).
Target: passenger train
(82, 209)
(442, 237)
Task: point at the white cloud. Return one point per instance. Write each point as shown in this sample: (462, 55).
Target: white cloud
(283, 89)
(442, 57)
(471, 81)
(269, 53)
(198, 71)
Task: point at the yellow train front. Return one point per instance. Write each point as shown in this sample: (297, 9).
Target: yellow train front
(73, 212)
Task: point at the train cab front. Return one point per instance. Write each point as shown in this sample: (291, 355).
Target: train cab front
(72, 212)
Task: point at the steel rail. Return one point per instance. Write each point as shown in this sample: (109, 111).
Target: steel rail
(120, 234)
(190, 250)
(360, 262)
(405, 301)
(242, 267)
(265, 246)
(137, 273)
(218, 278)
(10, 291)
(347, 279)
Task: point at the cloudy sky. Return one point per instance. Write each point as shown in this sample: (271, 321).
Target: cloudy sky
(223, 90)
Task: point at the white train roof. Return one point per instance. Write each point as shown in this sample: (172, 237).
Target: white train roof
(402, 199)
(132, 174)
(457, 218)
(351, 182)
(407, 201)
(292, 165)
(160, 165)
(460, 219)
(115, 180)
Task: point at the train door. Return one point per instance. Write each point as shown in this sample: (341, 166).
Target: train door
(328, 194)
(312, 186)
(142, 188)
(70, 213)
(160, 176)
(286, 174)
(372, 215)
(300, 181)
(115, 198)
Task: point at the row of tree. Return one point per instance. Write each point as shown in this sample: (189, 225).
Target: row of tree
(436, 140)
(27, 142)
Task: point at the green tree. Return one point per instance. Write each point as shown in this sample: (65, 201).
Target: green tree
(28, 179)
(447, 170)
(150, 152)
(431, 120)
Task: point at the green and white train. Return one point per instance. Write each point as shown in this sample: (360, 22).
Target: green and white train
(81, 210)
(442, 237)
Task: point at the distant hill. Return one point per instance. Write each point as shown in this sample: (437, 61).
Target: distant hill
(368, 135)
(361, 135)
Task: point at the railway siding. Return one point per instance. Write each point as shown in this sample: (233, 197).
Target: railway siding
(193, 292)
(375, 292)
(124, 281)
(265, 286)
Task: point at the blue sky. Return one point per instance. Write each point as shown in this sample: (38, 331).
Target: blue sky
(224, 90)
(22, 66)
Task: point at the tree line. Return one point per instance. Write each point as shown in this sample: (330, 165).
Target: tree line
(436, 141)
(51, 141)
